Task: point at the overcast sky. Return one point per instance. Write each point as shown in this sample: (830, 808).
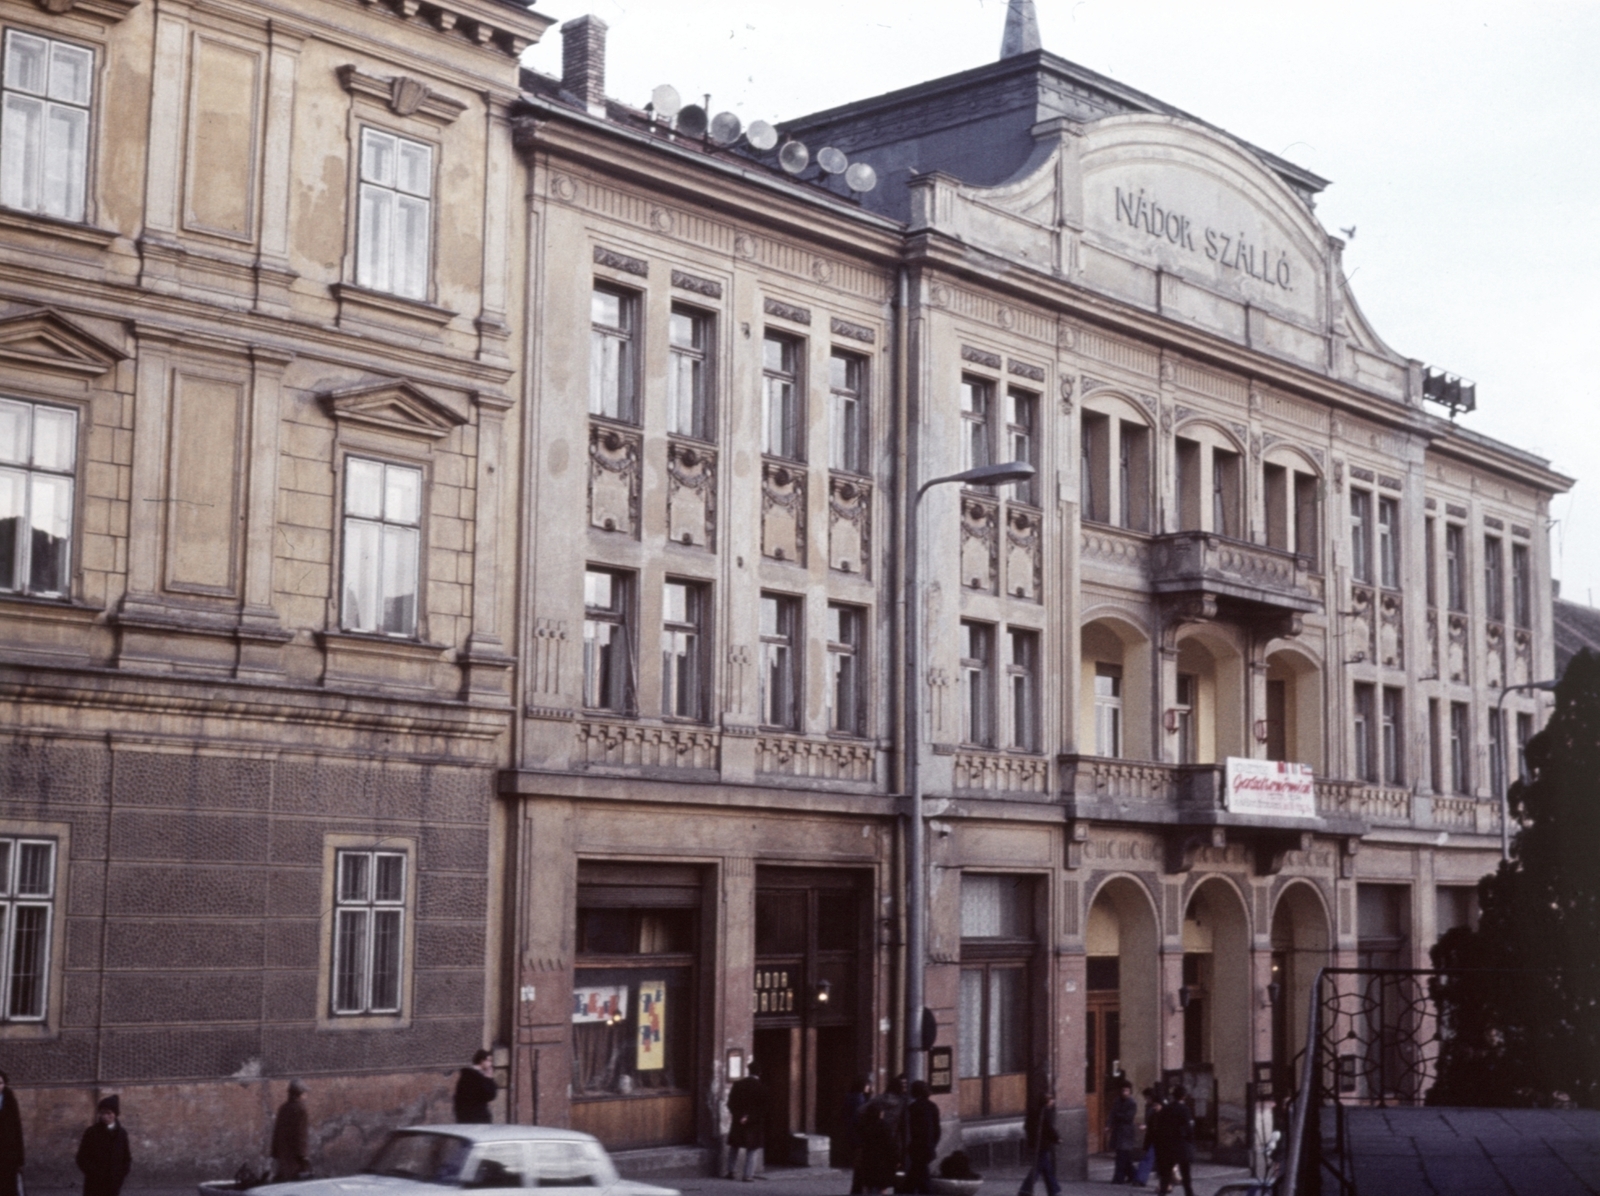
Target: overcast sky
(1463, 141)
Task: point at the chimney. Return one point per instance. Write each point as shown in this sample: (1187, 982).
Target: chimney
(583, 61)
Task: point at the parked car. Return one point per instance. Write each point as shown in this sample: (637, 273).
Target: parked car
(421, 1159)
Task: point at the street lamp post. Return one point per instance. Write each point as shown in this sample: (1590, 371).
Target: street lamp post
(916, 863)
(1505, 773)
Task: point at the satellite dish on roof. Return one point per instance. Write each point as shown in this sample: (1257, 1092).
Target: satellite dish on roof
(725, 128)
(692, 121)
(860, 177)
(761, 135)
(832, 160)
(665, 101)
(794, 157)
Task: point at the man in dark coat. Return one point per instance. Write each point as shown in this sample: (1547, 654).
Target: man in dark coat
(1041, 1137)
(922, 1137)
(103, 1154)
(475, 1089)
(1174, 1139)
(291, 1137)
(847, 1143)
(876, 1165)
(11, 1153)
(1125, 1133)
(747, 1106)
(893, 1104)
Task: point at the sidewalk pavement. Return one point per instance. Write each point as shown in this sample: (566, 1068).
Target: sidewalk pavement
(824, 1181)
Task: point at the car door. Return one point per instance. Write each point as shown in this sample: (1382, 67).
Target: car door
(497, 1165)
(573, 1167)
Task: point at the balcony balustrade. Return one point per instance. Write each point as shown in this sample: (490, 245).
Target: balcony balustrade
(1261, 579)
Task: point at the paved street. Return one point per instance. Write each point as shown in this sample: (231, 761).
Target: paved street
(1475, 1152)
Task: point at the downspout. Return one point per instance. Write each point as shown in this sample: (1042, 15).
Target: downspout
(903, 678)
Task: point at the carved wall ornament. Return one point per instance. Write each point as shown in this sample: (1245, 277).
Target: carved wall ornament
(662, 220)
(1489, 521)
(1151, 404)
(1455, 511)
(980, 357)
(1457, 651)
(691, 495)
(1066, 390)
(1391, 632)
(786, 311)
(980, 544)
(1361, 474)
(1166, 419)
(393, 406)
(1001, 772)
(1167, 371)
(1363, 623)
(1522, 658)
(1316, 455)
(606, 744)
(783, 512)
(815, 759)
(822, 269)
(1006, 318)
(1433, 643)
(745, 246)
(110, 10)
(849, 526)
(1255, 445)
(549, 646)
(1389, 483)
(709, 287)
(1024, 554)
(1092, 384)
(1518, 530)
(1183, 412)
(1254, 397)
(855, 332)
(401, 94)
(1242, 431)
(1067, 337)
(1494, 656)
(564, 188)
(1338, 475)
(938, 296)
(1431, 503)
(620, 261)
(614, 479)
(1023, 370)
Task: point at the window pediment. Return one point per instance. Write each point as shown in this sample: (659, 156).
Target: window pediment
(394, 406)
(110, 10)
(404, 95)
(46, 340)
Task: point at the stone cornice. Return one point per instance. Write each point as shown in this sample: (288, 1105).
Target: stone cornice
(106, 10)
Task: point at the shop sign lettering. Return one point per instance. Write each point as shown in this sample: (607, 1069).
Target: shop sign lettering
(773, 992)
(1119, 849)
(1275, 788)
(1231, 250)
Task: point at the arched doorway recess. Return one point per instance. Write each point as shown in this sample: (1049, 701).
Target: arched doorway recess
(1122, 1005)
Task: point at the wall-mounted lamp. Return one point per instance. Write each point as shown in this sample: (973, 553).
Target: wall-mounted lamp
(824, 990)
(1274, 991)
(1185, 995)
(1261, 730)
(1170, 720)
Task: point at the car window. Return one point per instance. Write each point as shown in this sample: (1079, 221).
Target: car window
(496, 1165)
(430, 1158)
(571, 1165)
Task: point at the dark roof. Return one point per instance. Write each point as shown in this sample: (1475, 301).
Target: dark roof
(1577, 627)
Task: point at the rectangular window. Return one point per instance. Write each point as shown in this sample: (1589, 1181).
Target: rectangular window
(1455, 566)
(1022, 670)
(396, 214)
(847, 412)
(682, 650)
(1460, 747)
(977, 438)
(1389, 543)
(1188, 689)
(1521, 586)
(1430, 562)
(1361, 535)
(1274, 502)
(368, 938)
(997, 945)
(1366, 730)
(1524, 733)
(780, 667)
(1225, 493)
(38, 455)
(44, 125)
(846, 675)
(1435, 747)
(1108, 710)
(782, 408)
(1455, 905)
(27, 907)
(607, 641)
(382, 536)
(1094, 468)
(1393, 739)
(1133, 477)
(614, 354)
(977, 683)
(1188, 469)
(689, 337)
(1497, 753)
(1021, 443)
(1305, 516)
(1494, 580)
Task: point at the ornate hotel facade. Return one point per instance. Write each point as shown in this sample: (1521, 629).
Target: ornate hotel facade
(464, 597)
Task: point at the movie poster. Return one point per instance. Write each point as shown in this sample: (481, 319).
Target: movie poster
(600, 1003)
(652, 1025)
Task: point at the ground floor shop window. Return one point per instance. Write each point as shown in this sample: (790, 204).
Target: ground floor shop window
(995, 1015)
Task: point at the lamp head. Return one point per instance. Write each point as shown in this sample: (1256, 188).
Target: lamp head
(995, 475)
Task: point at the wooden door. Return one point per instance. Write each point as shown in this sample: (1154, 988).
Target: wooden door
(1102, 1024)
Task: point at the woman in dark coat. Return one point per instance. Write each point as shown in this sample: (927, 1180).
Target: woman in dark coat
(879, 1161)
(1174, 1139)
(103, 1154)
(747, 1131)
(847, 1143)
(11, 1152)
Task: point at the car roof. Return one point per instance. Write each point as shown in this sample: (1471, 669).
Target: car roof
(502, 1133)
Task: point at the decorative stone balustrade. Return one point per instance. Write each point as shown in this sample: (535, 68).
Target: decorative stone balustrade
(1199, 562)
(1002, 772)
(815, 759)
(1371, 803)
(1098, 778)
(606, 744)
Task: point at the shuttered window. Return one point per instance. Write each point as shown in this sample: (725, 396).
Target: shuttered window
(395, 216)
(44, 125)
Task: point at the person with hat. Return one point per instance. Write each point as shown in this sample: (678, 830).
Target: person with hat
(11, 1152)
(103, 1154)
(291, 1137)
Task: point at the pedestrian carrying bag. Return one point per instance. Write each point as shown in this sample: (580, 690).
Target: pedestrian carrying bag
(1141, 1174)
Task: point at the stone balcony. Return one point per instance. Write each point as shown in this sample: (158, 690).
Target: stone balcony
(1261, 580)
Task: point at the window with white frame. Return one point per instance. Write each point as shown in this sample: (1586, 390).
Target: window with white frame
(1460, 747)
(368, 931)
(38, 455)
(682, 649)
(1108, 710)
(783, 407)
(1521, 586)
(1389, 543)
(846, 637)
(689, 333)
(607, 641)
(977, 437)
(27, 904)
(1361, 535)
(396, 214)
(44, 125)
(1366, 729)
(1455, 566)
(847, 415)
(382, 534)
(1021, 441)
(1022, 675)
(614, 354)
(780, 674)
(977, 683)
(1494, 584)
(1392, 738)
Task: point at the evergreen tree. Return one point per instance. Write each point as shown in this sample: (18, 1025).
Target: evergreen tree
(1529, 1033)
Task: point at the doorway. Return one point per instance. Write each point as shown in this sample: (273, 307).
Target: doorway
(811, 997)
(1102, 1025)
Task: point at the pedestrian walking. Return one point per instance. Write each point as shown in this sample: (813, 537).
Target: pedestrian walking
(747, 1106)
(1041, 1136)
(1174, 1136)
(291, 1137)
(922, 1137)
(876, 1167)
(12, 1155)
(893, 1105)
(475, 1089)
(103, 1154)
(847, 1144)
(1125, 1134)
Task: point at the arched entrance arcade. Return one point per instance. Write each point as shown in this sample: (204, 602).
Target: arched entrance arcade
(1122, 1004)
(1301, 942)
(1215, 1006)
